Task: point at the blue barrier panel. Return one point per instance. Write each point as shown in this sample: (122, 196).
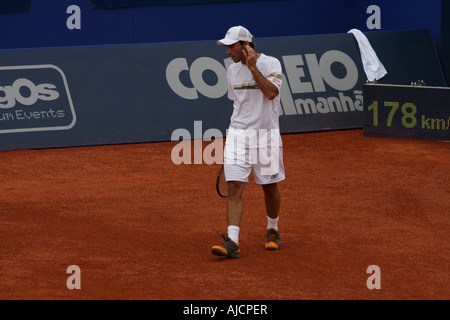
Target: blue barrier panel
(54, 97)
(445, 44)
(408, 56)
(416, 112)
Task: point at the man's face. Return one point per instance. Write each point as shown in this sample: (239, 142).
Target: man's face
(235, 52)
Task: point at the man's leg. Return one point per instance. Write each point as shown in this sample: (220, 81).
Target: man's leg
(234, 216)
(272, 202)
(235, 203)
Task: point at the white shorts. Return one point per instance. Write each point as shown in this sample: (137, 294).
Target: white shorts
(266, 163)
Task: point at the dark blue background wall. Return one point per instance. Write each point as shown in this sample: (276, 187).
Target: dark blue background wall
(44, 24)
(404, 15)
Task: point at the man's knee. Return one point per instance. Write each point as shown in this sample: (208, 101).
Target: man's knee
(235, 188)
(271, 189)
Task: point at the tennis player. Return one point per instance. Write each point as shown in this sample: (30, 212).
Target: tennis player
(253, 141)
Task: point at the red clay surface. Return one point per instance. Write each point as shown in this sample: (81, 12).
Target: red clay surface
(140, 227)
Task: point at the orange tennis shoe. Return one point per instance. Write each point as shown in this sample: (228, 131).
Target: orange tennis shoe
(228, 249)
(273, 240)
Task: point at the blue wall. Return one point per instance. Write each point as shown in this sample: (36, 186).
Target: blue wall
(44, 24)
(404, 15)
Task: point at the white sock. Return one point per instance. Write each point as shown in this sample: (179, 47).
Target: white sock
(233, 233)
(272, 223)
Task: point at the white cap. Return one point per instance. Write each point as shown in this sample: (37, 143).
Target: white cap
(235, 34)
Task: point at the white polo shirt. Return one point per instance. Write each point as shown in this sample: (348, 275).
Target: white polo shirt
(252, 110)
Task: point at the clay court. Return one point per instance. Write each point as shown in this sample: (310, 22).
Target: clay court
(140, 227)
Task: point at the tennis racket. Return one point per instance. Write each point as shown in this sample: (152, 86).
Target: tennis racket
(221, 184)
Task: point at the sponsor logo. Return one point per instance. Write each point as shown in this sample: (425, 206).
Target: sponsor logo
(274, 176)
(34, 98)
(312, 83)
(311, 78)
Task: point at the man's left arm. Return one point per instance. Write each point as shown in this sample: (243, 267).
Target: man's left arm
(268, 88)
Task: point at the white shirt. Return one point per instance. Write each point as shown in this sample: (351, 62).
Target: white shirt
(252, 110)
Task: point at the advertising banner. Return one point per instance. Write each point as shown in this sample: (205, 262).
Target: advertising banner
(71, 96)
(55, 111)
(416, 112)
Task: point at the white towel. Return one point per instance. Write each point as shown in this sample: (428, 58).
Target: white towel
(373, 67)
